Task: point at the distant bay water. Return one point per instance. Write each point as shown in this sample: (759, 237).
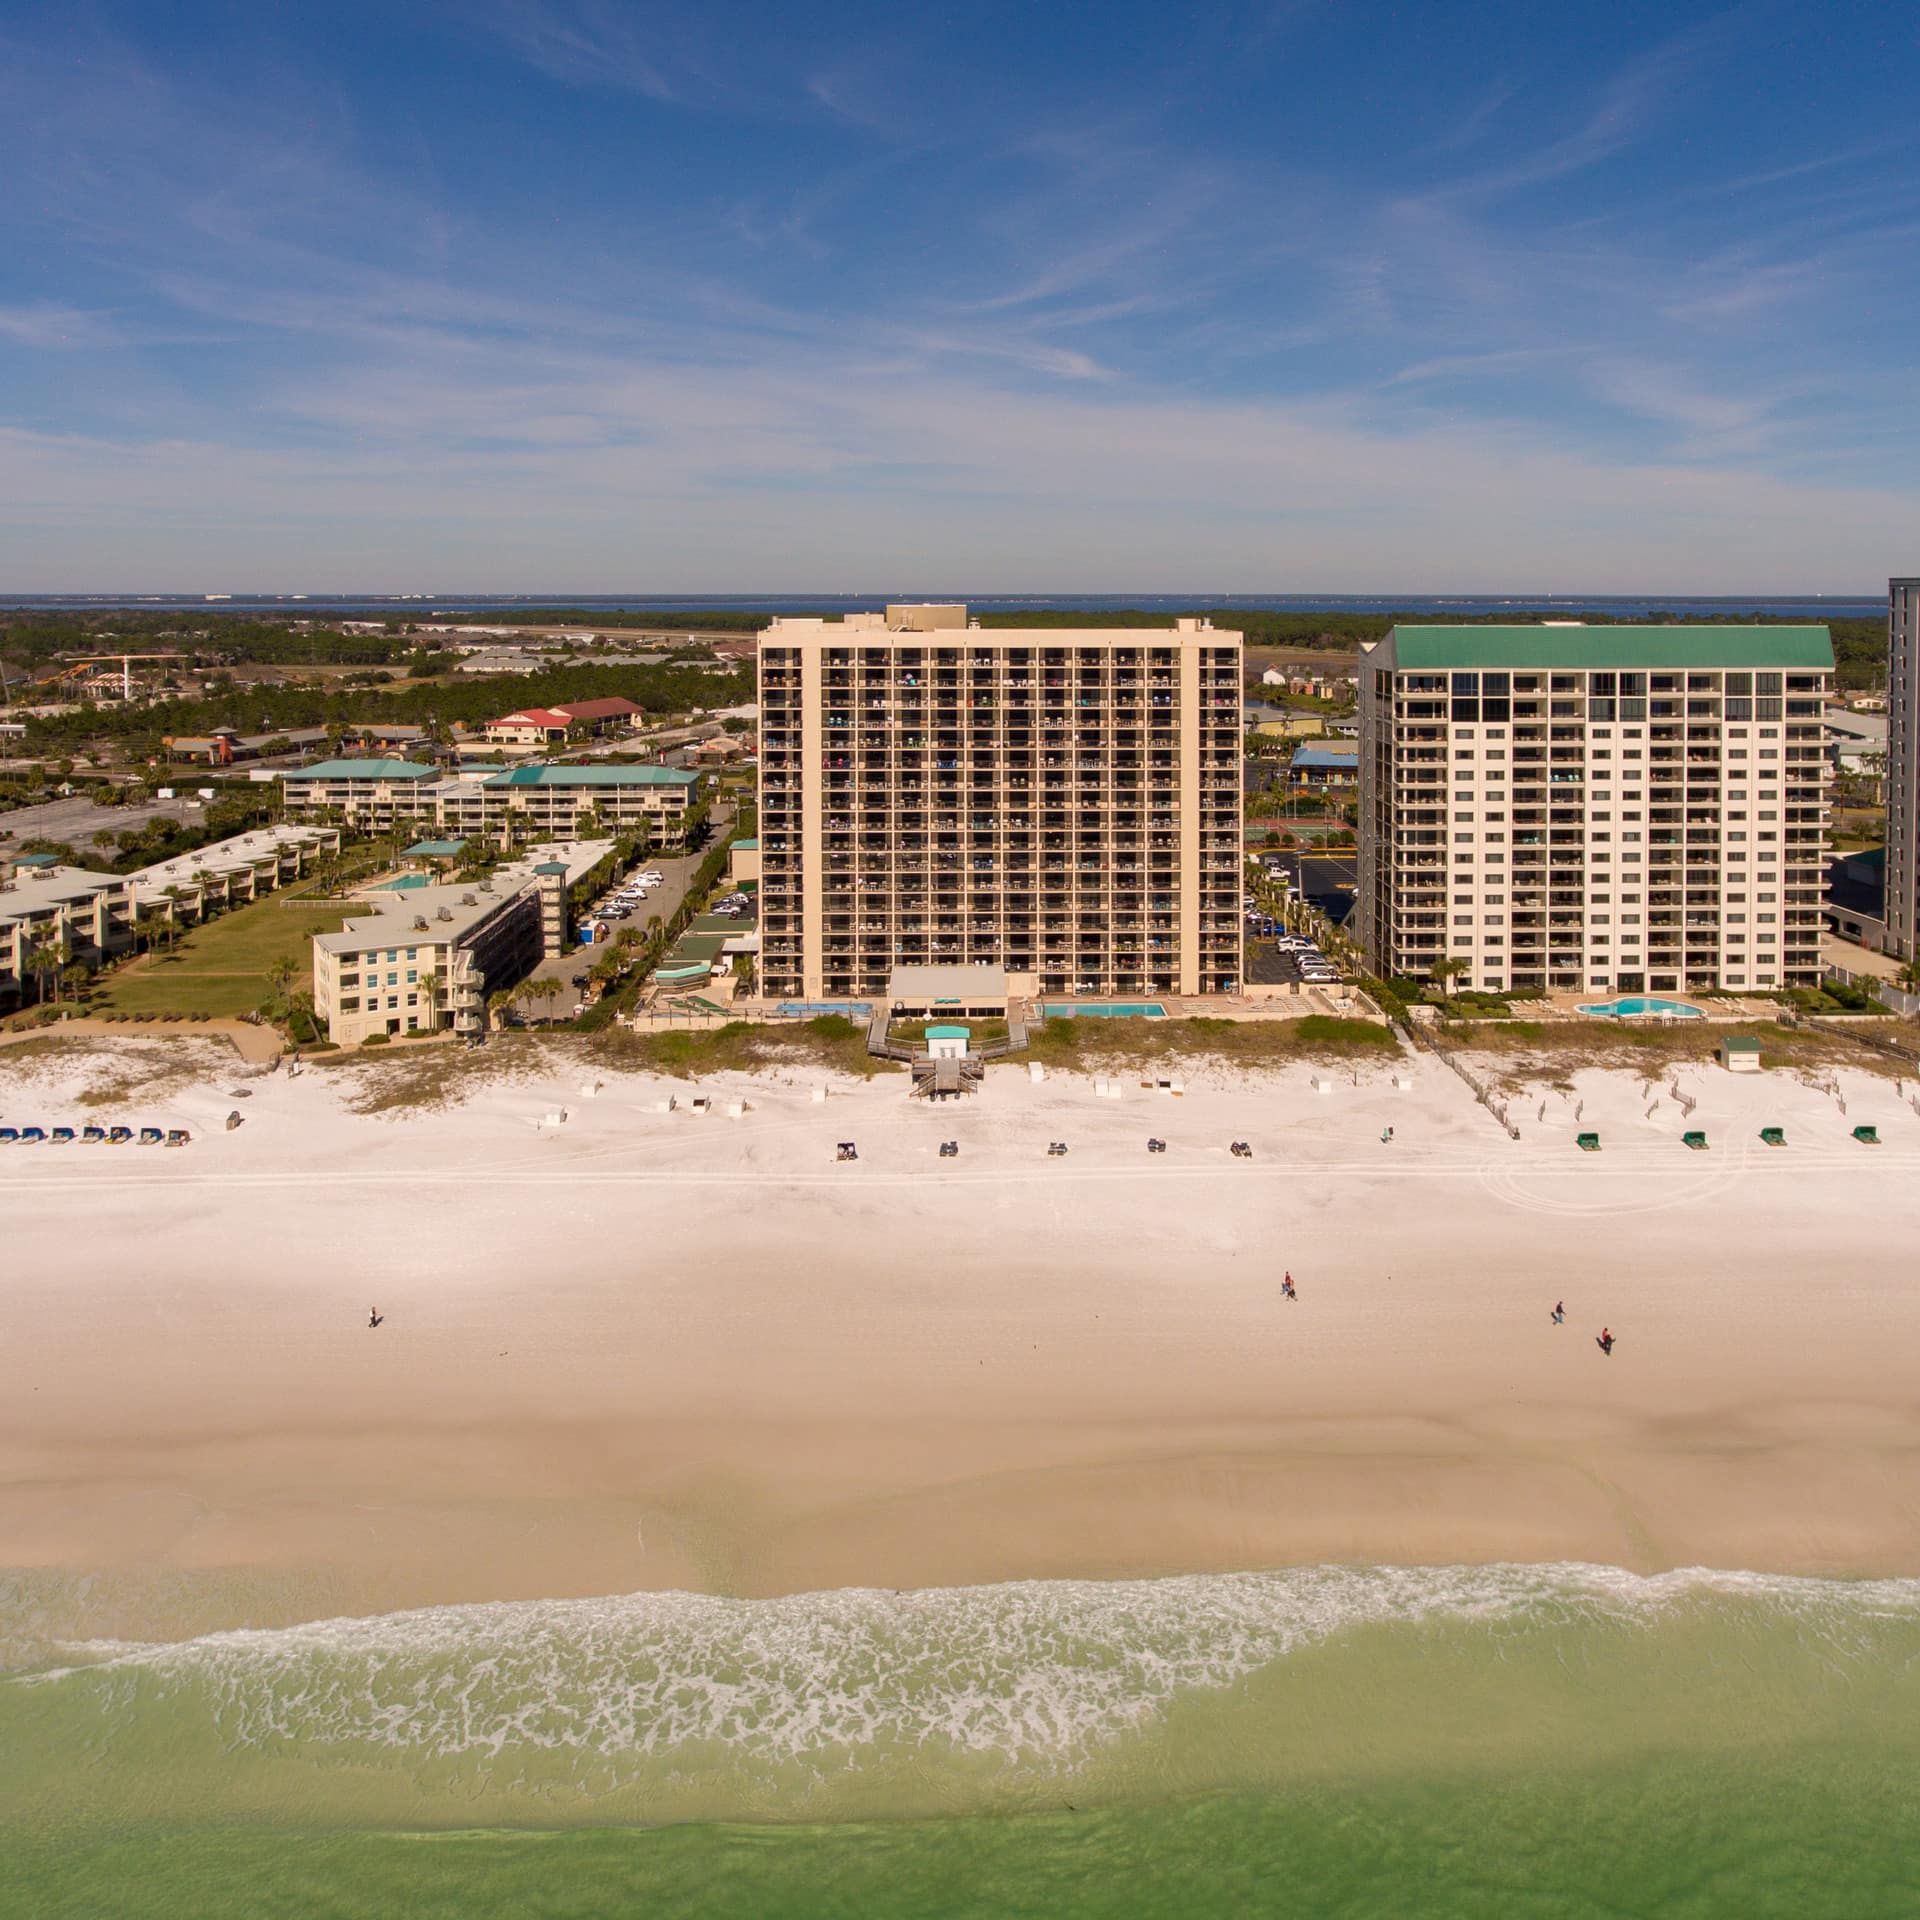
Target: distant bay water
(1813, 607)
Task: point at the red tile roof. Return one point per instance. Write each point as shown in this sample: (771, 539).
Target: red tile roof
(534, 717)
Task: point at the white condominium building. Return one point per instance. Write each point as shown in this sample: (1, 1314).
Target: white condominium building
(1630, 808)
(425, 959)
(521, 802)
(1903, 768)
(1061, 804)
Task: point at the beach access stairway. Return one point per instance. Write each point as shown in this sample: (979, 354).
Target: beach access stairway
(949, 1077)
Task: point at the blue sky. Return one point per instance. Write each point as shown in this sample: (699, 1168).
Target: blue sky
(542, 295)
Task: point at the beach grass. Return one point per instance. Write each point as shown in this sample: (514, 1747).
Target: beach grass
(1076, 1042)
(1535, 1049)
(831, 1041)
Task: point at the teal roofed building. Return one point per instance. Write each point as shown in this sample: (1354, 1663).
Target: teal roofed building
(1570, 809)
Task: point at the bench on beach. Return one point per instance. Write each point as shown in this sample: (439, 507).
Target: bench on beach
(1696, 1140)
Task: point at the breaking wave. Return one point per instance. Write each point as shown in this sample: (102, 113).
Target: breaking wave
(1032, 1673)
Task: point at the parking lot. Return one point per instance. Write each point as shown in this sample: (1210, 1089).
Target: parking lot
(74, 822)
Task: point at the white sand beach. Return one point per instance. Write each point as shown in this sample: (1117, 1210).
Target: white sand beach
(651, 1349)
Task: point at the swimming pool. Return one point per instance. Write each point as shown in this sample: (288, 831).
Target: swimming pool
(1626, 1009)
(1105, 1010)
(806, 1009)
(405, 884)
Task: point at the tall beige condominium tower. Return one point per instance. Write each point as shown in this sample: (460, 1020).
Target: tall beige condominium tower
(1903, 767)
(1640, 809)
(1060, 803)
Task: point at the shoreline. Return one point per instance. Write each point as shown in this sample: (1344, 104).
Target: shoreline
(647, 1351)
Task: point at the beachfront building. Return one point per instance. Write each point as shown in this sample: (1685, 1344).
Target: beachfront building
(426, 958)
(1903, 768)
(1594, 808)
(1060, 804)
(46, 908)
(52, 916)
(535, 801)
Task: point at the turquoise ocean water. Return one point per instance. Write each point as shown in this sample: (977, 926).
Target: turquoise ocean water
(1531, 1740)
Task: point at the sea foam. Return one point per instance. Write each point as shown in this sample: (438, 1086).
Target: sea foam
(1034, 1673)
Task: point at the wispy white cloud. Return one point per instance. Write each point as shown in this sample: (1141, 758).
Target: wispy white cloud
(584, 43)
(69, 329)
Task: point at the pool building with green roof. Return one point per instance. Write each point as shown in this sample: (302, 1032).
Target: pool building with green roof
(1563, 808)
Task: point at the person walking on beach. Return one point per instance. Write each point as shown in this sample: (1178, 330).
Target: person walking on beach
(1605, 1342)
(1559, 1315)
(374, 1316)
(1286, 1287)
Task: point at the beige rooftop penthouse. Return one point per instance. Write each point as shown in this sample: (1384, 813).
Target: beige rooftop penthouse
(1593, 809)
(1062, 804)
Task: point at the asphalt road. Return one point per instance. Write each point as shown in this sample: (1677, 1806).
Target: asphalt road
(677, 869)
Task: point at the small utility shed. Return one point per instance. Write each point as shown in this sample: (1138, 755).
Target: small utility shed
(1740, 1053)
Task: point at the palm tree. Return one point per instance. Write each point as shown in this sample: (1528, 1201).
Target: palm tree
(1445, 967)
(499, 1005)
(40, 962)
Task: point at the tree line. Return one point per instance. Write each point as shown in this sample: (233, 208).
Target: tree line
(140, 731)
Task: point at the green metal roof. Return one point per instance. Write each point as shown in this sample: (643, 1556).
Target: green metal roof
(362, 770)
(1570, 648)
(593, 777)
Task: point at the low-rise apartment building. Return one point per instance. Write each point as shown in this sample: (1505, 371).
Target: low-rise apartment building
(44, 906)
(1641, 809)
(540, 801)
(427, 958)
(551, 802)
(367, 793)
(1060, 805)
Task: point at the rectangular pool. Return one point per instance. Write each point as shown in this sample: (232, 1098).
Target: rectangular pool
(1104, 1010)
(798, 1009)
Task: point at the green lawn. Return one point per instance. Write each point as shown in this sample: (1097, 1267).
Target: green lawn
(221, 968)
